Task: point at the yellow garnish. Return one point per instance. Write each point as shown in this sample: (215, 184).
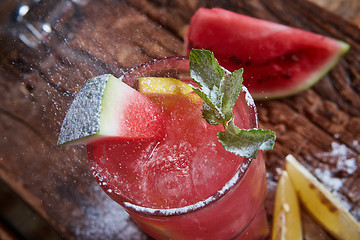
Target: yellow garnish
(159, 85)
(286, 219)
(321, 203)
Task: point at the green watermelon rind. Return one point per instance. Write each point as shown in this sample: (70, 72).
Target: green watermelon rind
(312, 80)
(83, 121)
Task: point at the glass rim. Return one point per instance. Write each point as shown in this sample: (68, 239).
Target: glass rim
(128, 78)
(168, 212)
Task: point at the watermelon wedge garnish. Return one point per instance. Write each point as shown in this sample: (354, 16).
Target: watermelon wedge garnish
(278, 60)
(107, 107)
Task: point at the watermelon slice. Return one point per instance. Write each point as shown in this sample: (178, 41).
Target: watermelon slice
(278, 60)
(107, 107)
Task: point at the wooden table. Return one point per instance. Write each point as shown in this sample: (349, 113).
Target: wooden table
(348, 9)
(39, 79)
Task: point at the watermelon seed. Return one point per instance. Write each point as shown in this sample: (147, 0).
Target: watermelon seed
(191, 45)
(294, 58)
(248, 63)
(235, 60)
(287, 75)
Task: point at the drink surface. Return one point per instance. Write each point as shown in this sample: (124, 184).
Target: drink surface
(187, 165)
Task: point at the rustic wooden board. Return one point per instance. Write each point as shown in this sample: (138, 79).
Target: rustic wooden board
(320, 126)
(348, 9)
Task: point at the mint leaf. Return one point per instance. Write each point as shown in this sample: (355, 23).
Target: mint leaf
(231, 88)
(211, 115)
(220, 90)
(246, 142)
(206, 71)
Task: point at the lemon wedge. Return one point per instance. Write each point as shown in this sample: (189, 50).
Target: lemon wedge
(287, 218)
(326, 209)
(160, 85)
(154, 86)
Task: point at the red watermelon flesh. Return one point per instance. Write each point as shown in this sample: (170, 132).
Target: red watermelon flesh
(107, 109)
(139, 116)
(278, 60)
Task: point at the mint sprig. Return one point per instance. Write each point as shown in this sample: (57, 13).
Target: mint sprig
(220, 90)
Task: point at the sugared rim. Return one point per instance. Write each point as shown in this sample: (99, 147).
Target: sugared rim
(236, 179)
(193, 207)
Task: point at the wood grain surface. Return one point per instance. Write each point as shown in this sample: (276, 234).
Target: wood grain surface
(320, 126)
(348, 9)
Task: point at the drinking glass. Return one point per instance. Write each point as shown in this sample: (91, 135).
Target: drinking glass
(236, 211)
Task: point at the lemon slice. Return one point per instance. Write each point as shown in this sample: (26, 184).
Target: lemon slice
(160, 85)
(321, 203)
(286, 219)
(167, 86)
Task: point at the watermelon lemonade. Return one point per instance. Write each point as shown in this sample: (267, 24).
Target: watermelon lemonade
(181, 183)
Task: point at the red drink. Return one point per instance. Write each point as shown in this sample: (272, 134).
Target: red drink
(185, 185)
